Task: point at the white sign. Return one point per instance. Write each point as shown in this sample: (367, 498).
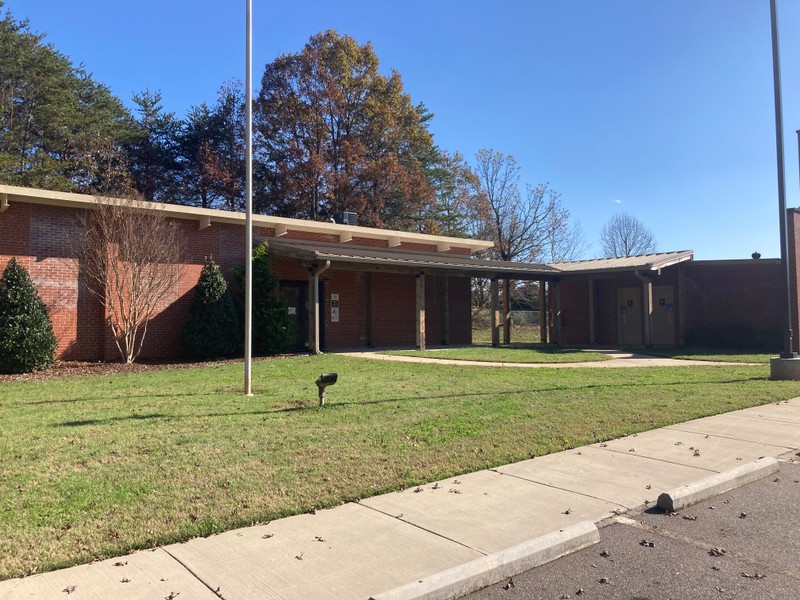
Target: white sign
(334, 308)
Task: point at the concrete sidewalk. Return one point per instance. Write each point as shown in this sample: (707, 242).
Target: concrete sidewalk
(618, 359)
(365, 549)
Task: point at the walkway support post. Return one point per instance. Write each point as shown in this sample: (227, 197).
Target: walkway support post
(420, 311)
(314, 306)
(544, 320)
(445, 310)
(506, 311)
(493, 308)
(557, 312)
(647, 306)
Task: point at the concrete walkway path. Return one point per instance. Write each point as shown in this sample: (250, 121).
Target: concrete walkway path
(358, 550)
(618, 359)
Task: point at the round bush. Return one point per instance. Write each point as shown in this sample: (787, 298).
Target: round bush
(27, 342)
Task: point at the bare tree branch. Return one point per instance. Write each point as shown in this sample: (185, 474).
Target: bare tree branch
(129, 257)
(625, 235)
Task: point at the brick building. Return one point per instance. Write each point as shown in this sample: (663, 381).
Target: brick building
(348, 286)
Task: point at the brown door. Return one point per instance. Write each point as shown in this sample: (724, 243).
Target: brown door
(664, 315)
(629, 316)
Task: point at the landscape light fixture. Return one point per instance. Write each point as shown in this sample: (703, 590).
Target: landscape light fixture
(324, 381)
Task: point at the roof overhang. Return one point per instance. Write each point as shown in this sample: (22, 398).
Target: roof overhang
(405, 261)
(629, 264)
(282, 226)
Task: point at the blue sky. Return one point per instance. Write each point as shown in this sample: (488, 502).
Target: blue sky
(660, 109)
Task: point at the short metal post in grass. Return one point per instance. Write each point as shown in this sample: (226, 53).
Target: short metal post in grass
(324, 381)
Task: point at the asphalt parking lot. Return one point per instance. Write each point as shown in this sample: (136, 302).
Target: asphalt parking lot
(744, 544)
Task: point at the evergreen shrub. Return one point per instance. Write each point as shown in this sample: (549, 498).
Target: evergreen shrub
(273, 331)
(27, 342)
(212, 329)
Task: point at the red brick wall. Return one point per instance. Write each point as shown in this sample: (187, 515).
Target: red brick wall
(735, 294)
(574, 312)
(40, 236)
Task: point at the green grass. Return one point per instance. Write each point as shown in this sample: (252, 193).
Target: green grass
(94, 467)
(711, 354)
(507, 354)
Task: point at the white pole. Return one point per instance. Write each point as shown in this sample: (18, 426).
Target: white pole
(248, 261)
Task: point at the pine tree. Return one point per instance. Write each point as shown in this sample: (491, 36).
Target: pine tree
(27, 342)
(272, 328)
(212, 330)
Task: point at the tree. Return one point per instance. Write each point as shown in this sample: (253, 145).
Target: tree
(212, 328)
(454, 211)
(213, 146)
(27, 342)
(625, 235)
(128, 256)
(59, 129)
(154, 150)
(272, 328)
(335, 135)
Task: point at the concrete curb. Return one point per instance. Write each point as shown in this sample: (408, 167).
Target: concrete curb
(716, 484)
(481, 572)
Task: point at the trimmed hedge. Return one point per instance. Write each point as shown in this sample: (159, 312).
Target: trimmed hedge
(27, 342)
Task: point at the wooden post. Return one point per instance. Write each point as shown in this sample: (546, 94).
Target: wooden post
(557, 311)
(681, 305)
(313, 310)
(647, 290)
(371, 310)
(445, 310)
(420, 311)
(592, 335)
(493, 293)
(506, 311)
(543, 309)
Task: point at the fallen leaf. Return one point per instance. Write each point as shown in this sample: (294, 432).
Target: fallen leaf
(120, 563)
(172, 596)
(754, 575)
(69, 589)
(647, 543)
(318, 539)
(715, 551)
(605, 554)
(418, 490)
(742, 515)
(604, 580)
(300, 556)
(266, 536)
(509, 584)
(566, 512)
(124, 580)
(690, 517)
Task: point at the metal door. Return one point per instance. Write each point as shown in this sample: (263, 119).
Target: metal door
(629, 316)
(664, 315)
(295, 294)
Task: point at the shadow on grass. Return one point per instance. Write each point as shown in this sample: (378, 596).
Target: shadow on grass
(331, 405)
(111, 420)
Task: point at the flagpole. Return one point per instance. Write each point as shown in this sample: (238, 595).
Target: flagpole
(248, 282)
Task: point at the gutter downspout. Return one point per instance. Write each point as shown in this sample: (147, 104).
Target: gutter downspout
(647, 296)
(313, 305)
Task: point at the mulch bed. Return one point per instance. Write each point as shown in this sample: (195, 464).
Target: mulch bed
(74, 368)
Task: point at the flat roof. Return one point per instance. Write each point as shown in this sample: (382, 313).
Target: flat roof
(282, 225)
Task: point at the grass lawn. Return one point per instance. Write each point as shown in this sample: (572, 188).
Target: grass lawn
(711, 354)
(94, 467)
(509, 354)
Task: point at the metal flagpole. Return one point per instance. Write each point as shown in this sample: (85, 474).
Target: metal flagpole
(776, 76)
(248, 261)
